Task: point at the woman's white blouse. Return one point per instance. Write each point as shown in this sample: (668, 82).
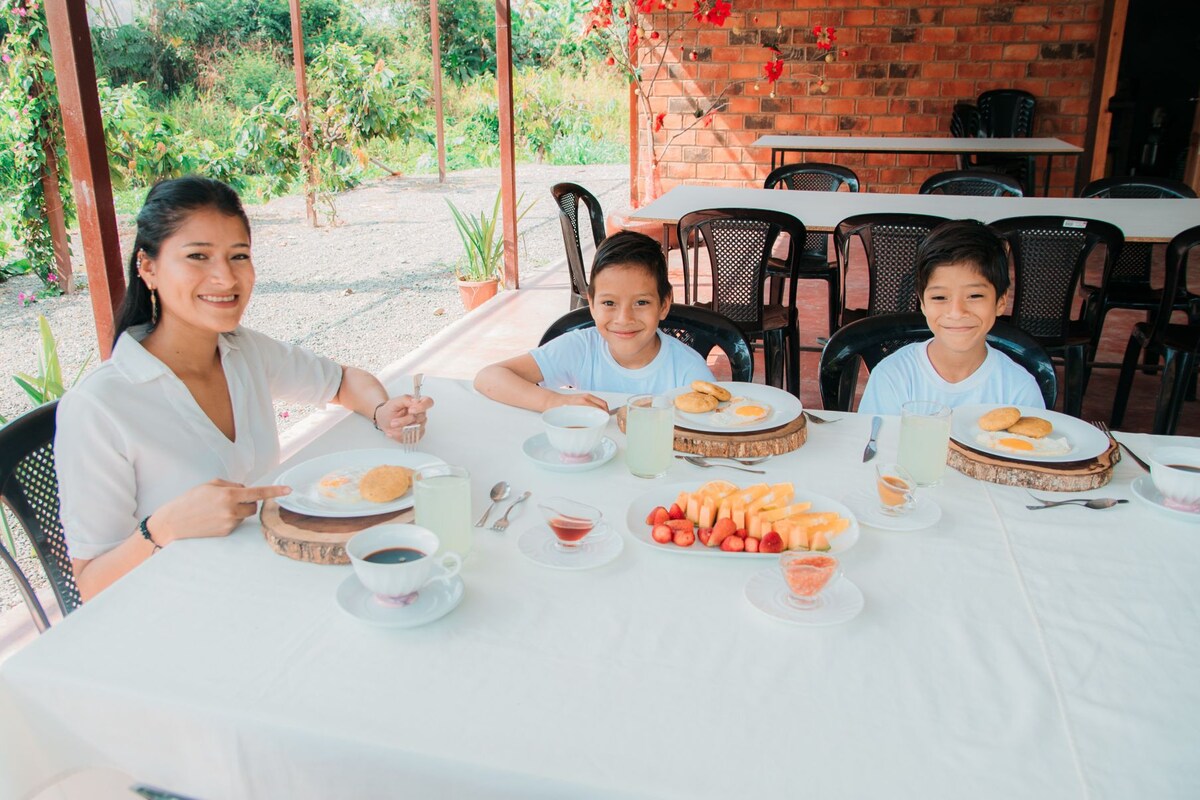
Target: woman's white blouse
(130, 436)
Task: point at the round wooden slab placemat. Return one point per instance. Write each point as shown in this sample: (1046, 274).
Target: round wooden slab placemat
(773, 442)
(318, 540)
(1074, 476)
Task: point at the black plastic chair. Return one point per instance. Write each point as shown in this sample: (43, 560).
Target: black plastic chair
(1008, 113)
(890, 242)
(964, 124)
(568, 197)
(29, 487)
(1178, 343)
(1128, 284)
(739, 243)
(973, 182)
(1049, 254)
(873, 338)
(698, 328)
(814, 263)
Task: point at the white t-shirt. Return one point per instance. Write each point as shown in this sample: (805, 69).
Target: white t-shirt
(581, 359)
(131, 437)
(908, 374)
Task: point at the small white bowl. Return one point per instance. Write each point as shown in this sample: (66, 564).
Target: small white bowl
(575, 431)
(1180, 488)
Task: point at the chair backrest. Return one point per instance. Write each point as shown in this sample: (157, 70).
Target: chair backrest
(873, 338)
(1179, 250)
(568, 196)
(813, 177)
(1133, 266)
(964, 121)
(890, 242)
(975, 182)
(1049, 254)
(29, 487)
(1005, 113)
(698, 328)
(739, 242)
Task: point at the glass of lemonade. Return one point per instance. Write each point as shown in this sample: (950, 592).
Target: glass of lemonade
(442, 494)
(649, 435)
(924, 440)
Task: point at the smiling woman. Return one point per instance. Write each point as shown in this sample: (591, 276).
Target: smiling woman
(164, 441)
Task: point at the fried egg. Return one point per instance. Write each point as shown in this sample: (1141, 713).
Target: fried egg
(1019, 445)
(739, 411)
(340, 486)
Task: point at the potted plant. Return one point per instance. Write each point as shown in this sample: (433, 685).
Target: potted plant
(478, 271)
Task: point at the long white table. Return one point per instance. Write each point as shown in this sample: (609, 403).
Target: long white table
(1029, 147)
(1002, 653)
(1140, 220)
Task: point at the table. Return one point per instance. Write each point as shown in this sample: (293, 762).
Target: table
(1019, 653)
(1140, 220)
(934, 145)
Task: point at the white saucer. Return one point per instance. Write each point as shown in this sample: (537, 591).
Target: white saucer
(540, 545)
(767, 592)
(1145, 490)
(538, 450)
(433, 602)
(923, 514)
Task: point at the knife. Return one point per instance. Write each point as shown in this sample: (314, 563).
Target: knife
(871, 449)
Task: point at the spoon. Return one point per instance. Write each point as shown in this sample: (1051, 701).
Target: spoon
(498, 493)
(702, 462)
(1096, 502)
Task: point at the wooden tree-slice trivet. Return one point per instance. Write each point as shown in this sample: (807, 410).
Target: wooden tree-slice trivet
(1074, 476)
(318, 540)
(773, 442)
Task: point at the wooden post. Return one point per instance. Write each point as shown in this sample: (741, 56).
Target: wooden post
(56, 218)
(306, 145)
(435, 33)
(75, 74)
(508, 182)
(1108, 66)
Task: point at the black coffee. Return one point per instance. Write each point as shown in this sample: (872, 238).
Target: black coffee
(394, 555)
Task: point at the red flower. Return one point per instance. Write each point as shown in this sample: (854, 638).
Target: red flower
(649, 6)
(697, 11)
(658, 122)
(633, 38)
(773, 70)
(719, 12)
(816, 30)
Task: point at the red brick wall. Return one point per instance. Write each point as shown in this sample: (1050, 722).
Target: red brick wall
(907, 63)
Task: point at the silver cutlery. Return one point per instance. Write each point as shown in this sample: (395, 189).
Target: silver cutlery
(745, 462)
(811, 417)
(703, 462)
(501, 525)
(411, 434)
(872, 448)
(498, 493)
(1095, 502)
(1103, 426)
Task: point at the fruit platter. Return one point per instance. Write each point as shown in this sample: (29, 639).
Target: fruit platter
(720, 518)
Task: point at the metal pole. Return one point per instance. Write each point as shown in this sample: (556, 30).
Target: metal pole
(435, 33)
(508, 183)
(306, 145)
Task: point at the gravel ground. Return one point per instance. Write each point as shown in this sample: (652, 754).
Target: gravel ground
(366, 292)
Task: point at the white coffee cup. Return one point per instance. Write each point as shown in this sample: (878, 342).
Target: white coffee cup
(575, 430)
(395, 580)
(1180, 488)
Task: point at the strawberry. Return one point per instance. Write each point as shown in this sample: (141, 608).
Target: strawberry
(733, 544)
(675, 512)
(661, 515)
(650, 516)
(771, 543)
(679, 524)
(704, 534)
(662, 534)
(752, 545)
(721, 530)
(742, 533)
(685, 538)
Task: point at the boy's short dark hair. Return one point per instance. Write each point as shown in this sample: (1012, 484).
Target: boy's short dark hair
(630, 247)
(964, 241)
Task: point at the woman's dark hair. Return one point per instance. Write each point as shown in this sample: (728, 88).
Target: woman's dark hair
(167, 205)
(630, 248)
(968, 242)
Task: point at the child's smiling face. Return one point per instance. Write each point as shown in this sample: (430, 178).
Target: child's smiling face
(960, 305)
(627, 310)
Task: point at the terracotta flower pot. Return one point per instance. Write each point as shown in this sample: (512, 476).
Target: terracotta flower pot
(476, 293)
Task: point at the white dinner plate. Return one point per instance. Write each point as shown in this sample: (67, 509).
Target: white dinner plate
(303, 479)
(785, 407)
(599, 547)
(635, 519)
(537, 449)
(925, 512)
(433, 602)
(1086, 441)
(1145, 490)
(768, 592)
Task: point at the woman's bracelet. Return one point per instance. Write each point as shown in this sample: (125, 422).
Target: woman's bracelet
(375, 415)
(145, 529)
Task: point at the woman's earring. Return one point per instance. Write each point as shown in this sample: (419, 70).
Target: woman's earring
(153, 307)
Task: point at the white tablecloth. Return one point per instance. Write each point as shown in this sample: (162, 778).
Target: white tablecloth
(1002, 653)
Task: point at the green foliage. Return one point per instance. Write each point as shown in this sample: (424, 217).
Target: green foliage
(249, 76)
(47, 385)
(483, 242)
(134, 54)
(545, 33)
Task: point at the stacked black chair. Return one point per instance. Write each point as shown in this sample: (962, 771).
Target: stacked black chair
(965, 124)
(973, 182)
(698, 328)
(1178, 343)
(739, 243)
(1004, 114)
(873, 338)
(568, 197)
(890, 242)
(1049, 254)
(814, 263)
(29, 487)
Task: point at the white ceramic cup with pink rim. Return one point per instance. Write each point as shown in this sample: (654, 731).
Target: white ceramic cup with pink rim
(1175, 471)
(397, 561)
(574, 431)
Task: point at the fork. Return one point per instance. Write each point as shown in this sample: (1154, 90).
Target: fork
(1103, 426)
(703, 462)
(501, 525)
(811, 417)
(411, 434)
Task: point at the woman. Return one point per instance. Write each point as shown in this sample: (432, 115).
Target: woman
(163, 441)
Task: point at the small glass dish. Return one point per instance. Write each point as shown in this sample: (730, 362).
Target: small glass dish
(570, 521)
(896, 489)
(808, 576)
